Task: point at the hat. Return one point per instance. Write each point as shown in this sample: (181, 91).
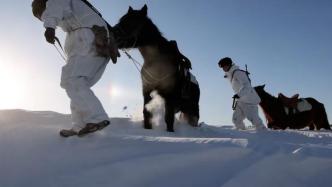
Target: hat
(38, 7)
(225, 62)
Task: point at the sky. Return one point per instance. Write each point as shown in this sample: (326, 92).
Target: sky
(287, 45)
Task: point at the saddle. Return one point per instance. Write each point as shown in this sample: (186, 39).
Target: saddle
(181, 59)
(289, 102)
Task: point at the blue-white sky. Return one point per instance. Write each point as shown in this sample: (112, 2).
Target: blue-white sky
(287, 45)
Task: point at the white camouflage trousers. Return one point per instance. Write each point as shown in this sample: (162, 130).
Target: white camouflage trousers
(249, 111)
(77, 78)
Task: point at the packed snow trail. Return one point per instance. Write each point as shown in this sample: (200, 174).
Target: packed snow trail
(126, 155)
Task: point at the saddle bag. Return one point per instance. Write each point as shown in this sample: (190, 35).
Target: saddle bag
(105, 43)
(189, 86)
(186, 90)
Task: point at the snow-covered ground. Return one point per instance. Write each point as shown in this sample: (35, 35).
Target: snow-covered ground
(32, 154)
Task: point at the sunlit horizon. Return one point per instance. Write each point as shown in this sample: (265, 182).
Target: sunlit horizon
(13, 81)
(286, 45)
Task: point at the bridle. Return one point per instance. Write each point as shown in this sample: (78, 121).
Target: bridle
(124, 36)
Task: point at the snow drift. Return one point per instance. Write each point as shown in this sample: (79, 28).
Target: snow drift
(124, 155)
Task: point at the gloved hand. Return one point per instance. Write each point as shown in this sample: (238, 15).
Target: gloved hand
(50, 35)
(236, 96)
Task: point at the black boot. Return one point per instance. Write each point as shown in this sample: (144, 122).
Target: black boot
(93, 127)
(67, 133)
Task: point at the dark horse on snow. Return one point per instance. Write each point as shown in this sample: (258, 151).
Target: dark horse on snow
(160, 71)
(277, 117)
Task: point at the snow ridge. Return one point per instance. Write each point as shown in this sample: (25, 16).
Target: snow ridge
(124, 155)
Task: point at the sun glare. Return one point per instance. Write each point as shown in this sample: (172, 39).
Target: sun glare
(115, 91)
(12, 82)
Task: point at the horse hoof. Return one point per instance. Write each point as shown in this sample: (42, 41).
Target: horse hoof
(147, 127)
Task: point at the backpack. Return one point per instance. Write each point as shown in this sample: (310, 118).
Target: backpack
(245, 71)
(104, 38)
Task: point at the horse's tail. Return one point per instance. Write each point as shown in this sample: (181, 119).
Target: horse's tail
(321, 119)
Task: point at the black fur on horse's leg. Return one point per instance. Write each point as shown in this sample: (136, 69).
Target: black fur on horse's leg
(312, 126)
(193, 121)
(321, 120)
(190, 105)
(169, 114)
(281, 125)
(147, 114)
(274, 125)
(193, 115)
(270, 125)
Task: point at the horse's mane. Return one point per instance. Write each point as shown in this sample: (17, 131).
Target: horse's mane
(269, 103)
(151, 34)
(148, 32)
(268, 96)
(153, 28)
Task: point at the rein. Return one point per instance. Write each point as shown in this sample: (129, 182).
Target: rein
(124, 36)
(62, 52)
(138, 64)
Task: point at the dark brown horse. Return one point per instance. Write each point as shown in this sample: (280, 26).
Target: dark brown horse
(277, 118)
(161, 68)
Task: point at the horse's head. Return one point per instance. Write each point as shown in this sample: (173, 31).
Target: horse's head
(266, 98)
(130, 26)
(260, 91)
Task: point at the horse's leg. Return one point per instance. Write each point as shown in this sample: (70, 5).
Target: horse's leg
(193, 121)
(193, 115)
(312, 126)
(190, 112)
(282, 125)
(169, 114)
(271, 125)
(320, 118)
(275, 125)
(191, 106)
(147, 114)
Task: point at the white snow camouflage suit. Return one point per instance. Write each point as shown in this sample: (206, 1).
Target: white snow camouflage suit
(247, 104)
(84, 68)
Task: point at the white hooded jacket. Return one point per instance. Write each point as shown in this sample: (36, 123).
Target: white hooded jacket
(70, 15)
(242, 86)
(76, 19)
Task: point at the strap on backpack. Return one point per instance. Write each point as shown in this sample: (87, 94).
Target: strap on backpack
(245, 71)
(97, 12)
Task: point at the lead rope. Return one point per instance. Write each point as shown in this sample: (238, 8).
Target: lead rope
(136, 63)
(62, 52)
